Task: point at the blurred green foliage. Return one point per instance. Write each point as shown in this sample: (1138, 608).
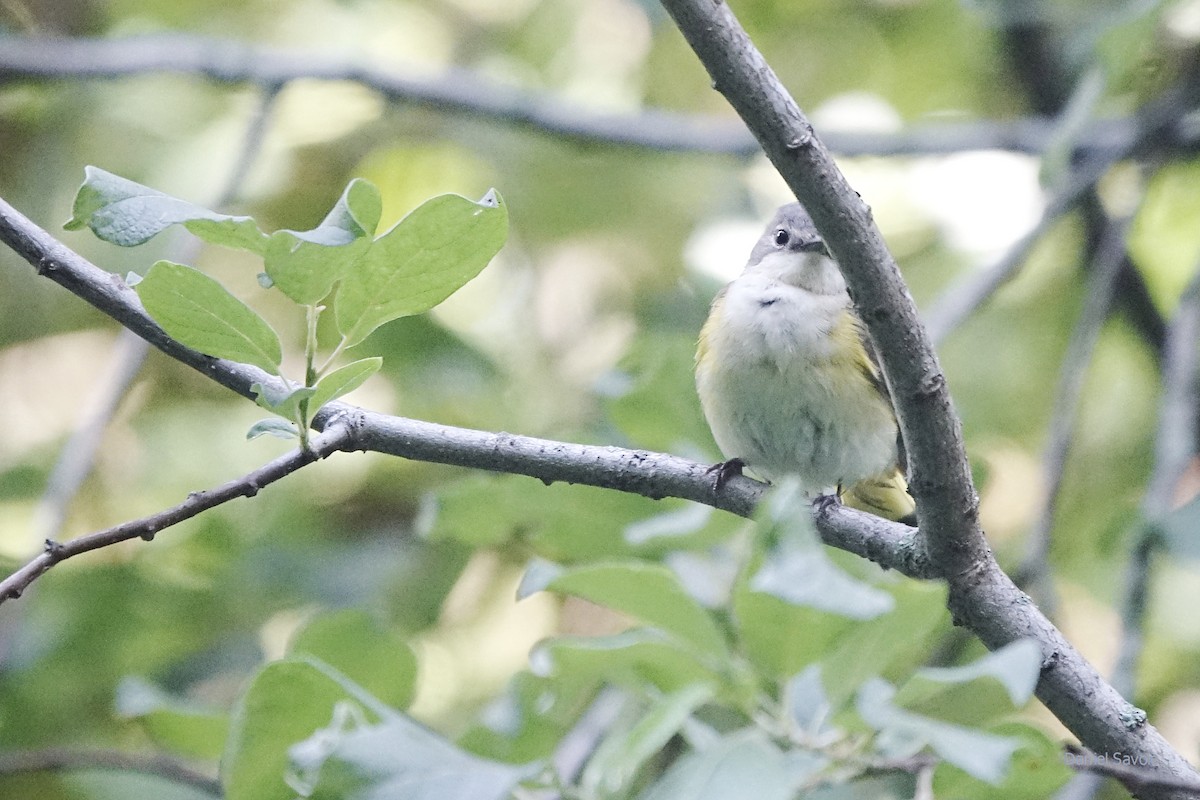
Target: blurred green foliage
(581, 329)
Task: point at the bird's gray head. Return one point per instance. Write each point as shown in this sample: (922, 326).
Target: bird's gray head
(792, 249)
(792, 230)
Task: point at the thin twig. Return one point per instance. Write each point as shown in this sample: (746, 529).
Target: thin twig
(58, 759)
(331, 440)
(1133, 777)
(1106, 267)
(1174, 447)
(78, 455)
(962, 298)
(470, 95)
(1155, 121)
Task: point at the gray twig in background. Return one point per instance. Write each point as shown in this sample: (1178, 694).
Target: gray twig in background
(1106, 267)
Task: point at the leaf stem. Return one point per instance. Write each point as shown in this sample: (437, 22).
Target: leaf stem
(312, 317)
(337, 351)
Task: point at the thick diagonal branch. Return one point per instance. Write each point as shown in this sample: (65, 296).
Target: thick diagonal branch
(982, 597)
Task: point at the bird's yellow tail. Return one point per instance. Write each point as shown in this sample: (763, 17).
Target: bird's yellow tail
(884, 496)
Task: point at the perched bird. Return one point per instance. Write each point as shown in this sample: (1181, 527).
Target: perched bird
(788, 379)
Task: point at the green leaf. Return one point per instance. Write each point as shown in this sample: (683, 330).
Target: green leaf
(806, 701)
(632, 658)
(674, 524)
(306, 264)
(284, 402)
(354, 644)
(171, 723)
(1016, 666)
(199, 312)
(623, 752)
(743, 764)
(343, 380)
(796, 569)
(649, 592)
(273, 426)
(894, 643)
(782, 639)
(981, 755)
(305, 271)
(285, 703)
(975, 693)
(804, 576)
(420, 262)
(397, 758)
(127, 214)
(1037, 769)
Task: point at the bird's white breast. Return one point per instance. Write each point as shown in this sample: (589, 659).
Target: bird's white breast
(781, 391)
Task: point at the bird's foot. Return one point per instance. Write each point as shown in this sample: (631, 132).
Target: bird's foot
(722, 471)
(824, 502)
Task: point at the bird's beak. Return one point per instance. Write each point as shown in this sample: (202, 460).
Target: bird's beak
(811, 244)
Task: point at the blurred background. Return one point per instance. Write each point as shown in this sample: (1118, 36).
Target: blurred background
(964, 125)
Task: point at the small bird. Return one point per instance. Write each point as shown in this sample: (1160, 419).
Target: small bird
(788, 379)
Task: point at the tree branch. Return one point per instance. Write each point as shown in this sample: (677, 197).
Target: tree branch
(1137, 779)
(61, 759)
(77, 456)
(1102, 281)
(1174, 449)
(462, 92)
(653, 475)
(332, 439)
(1153, 125)
(981, 596)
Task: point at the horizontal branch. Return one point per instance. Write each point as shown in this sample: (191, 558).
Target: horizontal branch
(57, 759)
(653, 475)
(1141, 780)
(466, 93)
(331, 440)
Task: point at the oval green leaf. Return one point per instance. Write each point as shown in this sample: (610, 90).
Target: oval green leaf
(420, 262)
(127, 213)
(343, 380)
(200, 313)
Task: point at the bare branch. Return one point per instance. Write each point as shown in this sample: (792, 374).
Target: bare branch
(78, 454)
(62, 759)
(964, 297)
(465, 93)
(1136, 779)
(332, 439)
(1154, 124)
(1174, 444)
(982, 597)
(1075, 362)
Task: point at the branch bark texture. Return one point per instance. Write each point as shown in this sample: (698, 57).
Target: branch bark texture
(229, 61)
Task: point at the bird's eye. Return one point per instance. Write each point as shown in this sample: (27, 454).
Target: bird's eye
(782, 238)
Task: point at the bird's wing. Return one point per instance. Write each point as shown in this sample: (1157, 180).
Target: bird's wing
(870, 368)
